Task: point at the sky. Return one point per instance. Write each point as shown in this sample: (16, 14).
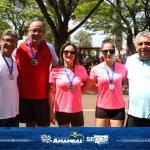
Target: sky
(97, 38)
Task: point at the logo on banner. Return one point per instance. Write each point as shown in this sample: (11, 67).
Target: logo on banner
(46, 138)
(73, 138)
(77, 136)
(99, 139)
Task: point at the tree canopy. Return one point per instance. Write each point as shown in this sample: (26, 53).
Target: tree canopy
(83, 38)
(120, 18)
(116, 18)
(62, 11)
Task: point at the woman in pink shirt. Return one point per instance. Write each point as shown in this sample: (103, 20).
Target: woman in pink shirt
(110, 106)
(65, 89)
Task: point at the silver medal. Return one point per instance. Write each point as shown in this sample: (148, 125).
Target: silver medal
(11, 76)
(71, 86)
(34, 62)
(111, 86)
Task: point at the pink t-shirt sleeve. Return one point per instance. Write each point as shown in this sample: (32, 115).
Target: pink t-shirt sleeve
(52, 75)
(93, 74)
(124, 77)
(123, 70)
(83, 73)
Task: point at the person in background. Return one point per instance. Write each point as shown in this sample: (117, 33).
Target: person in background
(9, 94)
(87, 63)
(138, 66)
(119, 59)
(65, 89)
(126, 54)
(34, 56)
(108, 75)
(80, 56)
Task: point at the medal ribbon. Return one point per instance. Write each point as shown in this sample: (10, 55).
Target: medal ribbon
(70, 80)
(32, 53)
(9, 67)
(112, 76)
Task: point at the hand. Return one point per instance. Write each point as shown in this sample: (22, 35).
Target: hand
(52, 117)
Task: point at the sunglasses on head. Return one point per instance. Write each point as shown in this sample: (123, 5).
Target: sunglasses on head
(66, 52)
(111, 51)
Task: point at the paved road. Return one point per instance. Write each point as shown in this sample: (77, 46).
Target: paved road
(89, 103)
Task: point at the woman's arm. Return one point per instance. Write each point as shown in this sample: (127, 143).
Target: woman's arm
(89, 84)
(52, 91)
(126, 84)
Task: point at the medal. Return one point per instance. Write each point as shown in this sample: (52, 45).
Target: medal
(71, 86)
(34, 56)
(111, 78)
(34, 62)
(111, 86)
(11, 76)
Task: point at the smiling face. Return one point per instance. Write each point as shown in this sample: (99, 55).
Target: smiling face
(143, 47)
(36, 32)
(8, 44)
(69, 54)
(108, 52)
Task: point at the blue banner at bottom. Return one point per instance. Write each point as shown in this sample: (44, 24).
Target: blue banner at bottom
(75, 138)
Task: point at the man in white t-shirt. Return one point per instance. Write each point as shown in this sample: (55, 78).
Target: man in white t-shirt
(9, 94)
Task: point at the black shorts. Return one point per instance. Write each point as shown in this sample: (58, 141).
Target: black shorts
(76, 119)
(34, 111)
(10, 122)
(114, 114)
(137, 122)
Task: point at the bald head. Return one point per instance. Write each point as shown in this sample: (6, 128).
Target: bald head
(40, 23)
(36, 32)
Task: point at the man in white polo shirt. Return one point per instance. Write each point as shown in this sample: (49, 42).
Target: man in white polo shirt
(138, 66)
(9, 94)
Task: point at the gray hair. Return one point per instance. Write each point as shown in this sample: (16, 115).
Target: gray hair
(145, 33)
(10, 32)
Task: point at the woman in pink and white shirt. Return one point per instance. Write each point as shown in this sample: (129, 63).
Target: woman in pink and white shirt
(110, 105)
(65, 89)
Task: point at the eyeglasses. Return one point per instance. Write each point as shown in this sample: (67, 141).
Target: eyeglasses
(66, 52)
(8, 41)
(111, 51)
(36, 31)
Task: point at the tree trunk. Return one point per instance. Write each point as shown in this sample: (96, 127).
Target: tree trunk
(21, 33)
(59, 41)
(130, 43)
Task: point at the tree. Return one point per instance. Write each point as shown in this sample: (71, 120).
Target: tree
(125, 18)
(135, 18)
(3, 26)
(104, 19)
(18, 14)
(83, 38)
(62, 11)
